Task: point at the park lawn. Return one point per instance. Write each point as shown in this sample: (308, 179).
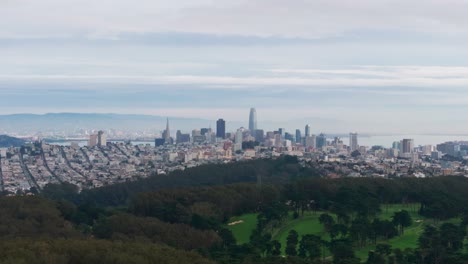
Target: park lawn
(408, 240)
(305, 225)
(411, 234)
(242, 231)
(309, 225)
(387, 211)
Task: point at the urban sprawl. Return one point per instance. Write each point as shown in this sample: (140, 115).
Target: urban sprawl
(28, 169)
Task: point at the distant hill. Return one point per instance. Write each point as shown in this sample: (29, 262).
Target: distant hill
(68, 122)
(7, 141)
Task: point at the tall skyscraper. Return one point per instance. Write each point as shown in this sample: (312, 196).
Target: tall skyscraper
(407, 145)
(298, 136)
(167, 133)
(221, 128)
(353, 142)
(253, 120)
(307, 130)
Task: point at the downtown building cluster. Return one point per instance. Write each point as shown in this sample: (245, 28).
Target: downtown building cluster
(29, 168)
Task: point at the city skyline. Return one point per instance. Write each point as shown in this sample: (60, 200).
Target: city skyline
(373, 66)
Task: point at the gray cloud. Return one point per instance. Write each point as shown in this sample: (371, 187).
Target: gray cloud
(294, 18)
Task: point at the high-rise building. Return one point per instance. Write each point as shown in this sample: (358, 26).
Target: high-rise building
(182, 138)
(253, 120)
(204, 131)
(259, 135)
(298, 136)
(101, 138)
(278, 140)
(321, 141)
(221, 128)
(281, 131)
(450, 148)
(307, 130)
(93, 140)
(239, 137)
(167, 133)
(353, 142)
(407, 145)
(311, 141)
(288, 136)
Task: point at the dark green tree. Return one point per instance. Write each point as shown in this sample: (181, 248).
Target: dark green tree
(291, 243)
(402, 219)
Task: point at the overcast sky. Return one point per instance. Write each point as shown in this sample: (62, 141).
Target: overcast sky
(362, 65)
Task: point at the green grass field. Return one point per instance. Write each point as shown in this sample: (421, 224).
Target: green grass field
(309, 224)
(242, 231)
(306, 225)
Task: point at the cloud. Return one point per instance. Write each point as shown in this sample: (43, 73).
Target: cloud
(354, 77)
(295, 18)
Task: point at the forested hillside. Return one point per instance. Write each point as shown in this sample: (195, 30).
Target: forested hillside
(184, 217)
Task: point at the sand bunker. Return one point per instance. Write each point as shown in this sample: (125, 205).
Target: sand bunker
(236, 223)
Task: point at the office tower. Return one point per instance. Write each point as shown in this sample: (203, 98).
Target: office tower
(239, 136)
(197, 137)
(93, 140)
(321, 141)
(281, 131)
(427, 149)
(221, 128)
(307, 130)
(196, 132)
(101, 139)
(204, 131)
(407, 145)
(270, 135)
(311, 141)
(182, 138)
(288, 136)
(353, 142)
(167, 133)
(298, 136)
(238, 140)
(259, 135)
(450, 148)
(253, 119)
(278, 140)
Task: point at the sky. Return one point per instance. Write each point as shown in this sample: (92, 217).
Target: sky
(369, 66)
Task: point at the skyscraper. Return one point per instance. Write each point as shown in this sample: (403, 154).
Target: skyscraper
(167, 133)
(321, 141)
(407, 145)
(253, 119)
(93, 140)
(307, 130)
(298, 136)
(353, 142)
(221, 128)
(239, 137)
(281, 131)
